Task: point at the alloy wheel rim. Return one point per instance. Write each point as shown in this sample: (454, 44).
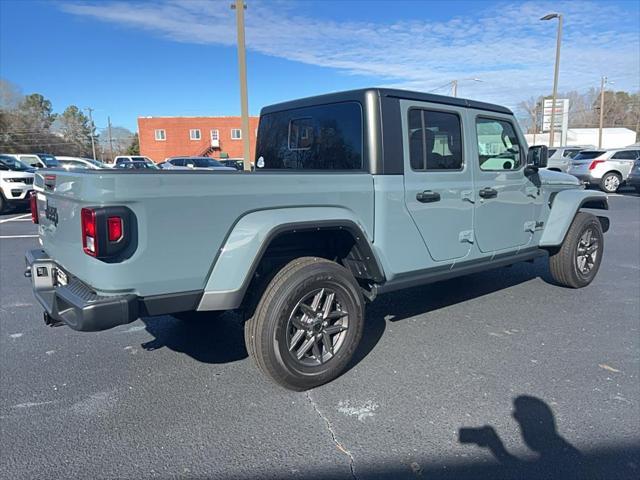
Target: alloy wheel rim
(317, 327)
(612, 183)
(587, 251)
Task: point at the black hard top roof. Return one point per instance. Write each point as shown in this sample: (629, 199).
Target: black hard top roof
(358, 95)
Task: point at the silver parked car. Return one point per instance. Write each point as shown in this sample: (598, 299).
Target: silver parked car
(607, 169)
(196, 163)
(560, 157)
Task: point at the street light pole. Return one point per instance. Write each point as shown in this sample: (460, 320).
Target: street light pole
(93, 127)
(239, 7)
(555, 75)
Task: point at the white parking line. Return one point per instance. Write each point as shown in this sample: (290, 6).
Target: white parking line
(15, 219)
(4, 237)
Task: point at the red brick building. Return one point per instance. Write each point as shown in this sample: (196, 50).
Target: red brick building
(217, 137)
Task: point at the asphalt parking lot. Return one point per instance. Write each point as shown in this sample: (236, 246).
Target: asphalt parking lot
(161, 398)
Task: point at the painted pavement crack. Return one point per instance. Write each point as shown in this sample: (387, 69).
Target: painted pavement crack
(334, 437)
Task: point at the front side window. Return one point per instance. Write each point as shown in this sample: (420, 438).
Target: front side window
(194, 134)
(498, 146)
(236, 134)
(320, 137)
(161, 134)
(435, 140)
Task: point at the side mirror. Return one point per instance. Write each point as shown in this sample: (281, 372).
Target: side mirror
(537, 156)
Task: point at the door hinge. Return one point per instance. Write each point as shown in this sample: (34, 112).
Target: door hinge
(467, 195)
(466, 236)
(533, 226)
(533, 192)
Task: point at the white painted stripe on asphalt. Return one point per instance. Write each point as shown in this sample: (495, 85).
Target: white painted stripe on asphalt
(4, 237)
(15, 219)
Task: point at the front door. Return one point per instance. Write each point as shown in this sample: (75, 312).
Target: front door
(504, 195)
(438, 178)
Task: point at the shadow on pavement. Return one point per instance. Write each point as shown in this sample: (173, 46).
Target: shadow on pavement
(221, 340)
(556, 458)
(424, 299)
(208, 340)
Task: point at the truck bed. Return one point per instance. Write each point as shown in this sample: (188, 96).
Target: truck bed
(182, 218)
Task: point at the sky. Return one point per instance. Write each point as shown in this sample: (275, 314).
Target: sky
(174, 57)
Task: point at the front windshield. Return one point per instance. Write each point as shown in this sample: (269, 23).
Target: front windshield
(13, 164)
(95, 163)
(49, 160)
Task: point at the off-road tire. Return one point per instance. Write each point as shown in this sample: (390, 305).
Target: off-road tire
(563, 263)
(266, 331)
(603, 182)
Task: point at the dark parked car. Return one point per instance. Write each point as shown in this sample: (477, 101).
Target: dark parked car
(633, 180)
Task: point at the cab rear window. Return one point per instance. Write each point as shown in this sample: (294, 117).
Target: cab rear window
(322, 137)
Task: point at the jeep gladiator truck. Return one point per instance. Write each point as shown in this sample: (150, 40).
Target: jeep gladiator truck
(355, 194)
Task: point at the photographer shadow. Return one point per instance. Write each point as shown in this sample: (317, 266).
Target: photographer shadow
(557, 458)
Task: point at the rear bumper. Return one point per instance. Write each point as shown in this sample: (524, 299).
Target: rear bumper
(76, 304)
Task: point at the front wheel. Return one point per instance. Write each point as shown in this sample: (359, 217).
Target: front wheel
(610, 182)
(307, 324)
(577, 261)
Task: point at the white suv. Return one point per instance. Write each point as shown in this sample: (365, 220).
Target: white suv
(16, 182)
(608, 169)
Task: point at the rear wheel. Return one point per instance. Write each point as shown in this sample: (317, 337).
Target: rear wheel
(577, 261)
(3, 204)
(307, 324)
(610, 182)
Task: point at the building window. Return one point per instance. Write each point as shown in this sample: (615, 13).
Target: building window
(236, 134)
(161, 134)
(215, 134)
(194, 134)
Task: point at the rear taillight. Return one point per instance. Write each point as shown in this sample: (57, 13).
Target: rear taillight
(89, 232)
(595, 163)
(114, 225)
(33, 206)
(108, 233)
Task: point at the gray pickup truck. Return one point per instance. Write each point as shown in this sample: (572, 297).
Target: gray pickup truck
(355, 194)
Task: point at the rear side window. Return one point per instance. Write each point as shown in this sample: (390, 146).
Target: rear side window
(323, 137)
(588, 155)
(625, 155)
(435, 140)
(498, 145)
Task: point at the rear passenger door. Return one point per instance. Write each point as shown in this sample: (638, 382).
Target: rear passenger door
(437, 178)
(504, 195)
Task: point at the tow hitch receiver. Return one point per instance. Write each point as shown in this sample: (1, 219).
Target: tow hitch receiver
(51, 322)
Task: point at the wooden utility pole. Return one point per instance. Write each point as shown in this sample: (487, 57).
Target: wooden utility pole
(110, 139)
(240, 7)
(93, 127)
(603, 82)
(535, 122)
